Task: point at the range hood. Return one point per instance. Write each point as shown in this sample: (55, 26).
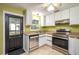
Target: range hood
(64, 21)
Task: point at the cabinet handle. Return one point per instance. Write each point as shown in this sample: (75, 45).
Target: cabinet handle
(49, 40)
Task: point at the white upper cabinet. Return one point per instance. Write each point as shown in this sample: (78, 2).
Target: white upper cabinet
(62, 15)
(28, 17)
(42, 21)
(65, 14)
(58, 16)
(52, 20)
(49, 20)
(74, 15)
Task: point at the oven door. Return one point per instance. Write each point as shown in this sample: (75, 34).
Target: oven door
(33, 42)
(63, 43)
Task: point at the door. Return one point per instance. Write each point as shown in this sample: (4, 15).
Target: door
(13, 32)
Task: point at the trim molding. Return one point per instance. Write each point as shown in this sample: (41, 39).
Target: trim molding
(12, 13)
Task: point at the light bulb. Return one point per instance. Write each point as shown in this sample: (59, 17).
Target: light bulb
(55, 4)
(50, 8)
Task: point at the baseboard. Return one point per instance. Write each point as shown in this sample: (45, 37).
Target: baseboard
(17, 52)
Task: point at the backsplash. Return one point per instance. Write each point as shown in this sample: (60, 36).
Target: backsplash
(27, 28)
(63, 26)
(44, 28)
(74, 28)
(48, 28)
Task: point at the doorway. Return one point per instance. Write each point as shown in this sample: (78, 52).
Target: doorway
(13, 34)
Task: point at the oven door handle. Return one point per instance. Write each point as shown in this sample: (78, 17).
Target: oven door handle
(34, 37)
(61, 38)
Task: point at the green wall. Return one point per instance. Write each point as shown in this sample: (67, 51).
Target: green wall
(53, 28)
(43, 28)
(4, 7)
(27, 28)
(74, 28)
(62, 26)
(48, 28)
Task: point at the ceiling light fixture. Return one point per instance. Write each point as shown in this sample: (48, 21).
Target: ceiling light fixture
(50, 7)
(53, 6)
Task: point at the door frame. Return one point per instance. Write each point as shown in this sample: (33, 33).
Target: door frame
(12, 13)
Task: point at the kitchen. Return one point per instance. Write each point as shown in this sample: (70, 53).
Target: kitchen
(48, 29)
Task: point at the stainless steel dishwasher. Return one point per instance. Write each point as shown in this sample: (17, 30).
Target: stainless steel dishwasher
(33, 42)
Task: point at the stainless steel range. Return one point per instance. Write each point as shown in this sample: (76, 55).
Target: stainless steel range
(60, 38)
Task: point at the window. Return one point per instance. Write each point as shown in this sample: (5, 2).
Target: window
(35, 22)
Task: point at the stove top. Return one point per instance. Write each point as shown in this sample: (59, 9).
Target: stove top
(62, 35)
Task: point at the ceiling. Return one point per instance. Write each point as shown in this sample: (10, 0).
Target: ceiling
(40, 6)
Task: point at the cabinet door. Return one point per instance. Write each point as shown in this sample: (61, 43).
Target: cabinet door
(72, 46)
(28, 17)
(74, 15)
(58, 16)
(47, 20)
(50, 21)
(77, 47)
(49, 41)
(26, 43)
(65, 14)
(42, 41)
(42, 21)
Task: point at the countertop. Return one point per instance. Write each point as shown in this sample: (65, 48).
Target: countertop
(40, 33)
(74, 35)
(30, 33)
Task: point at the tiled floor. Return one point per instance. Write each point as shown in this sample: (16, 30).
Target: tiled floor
(45, 50)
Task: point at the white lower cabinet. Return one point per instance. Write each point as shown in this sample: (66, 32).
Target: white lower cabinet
(77, 47)
(49, 40)
(42, 40)
(73, 46)
(26, 43)
(45, 39)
